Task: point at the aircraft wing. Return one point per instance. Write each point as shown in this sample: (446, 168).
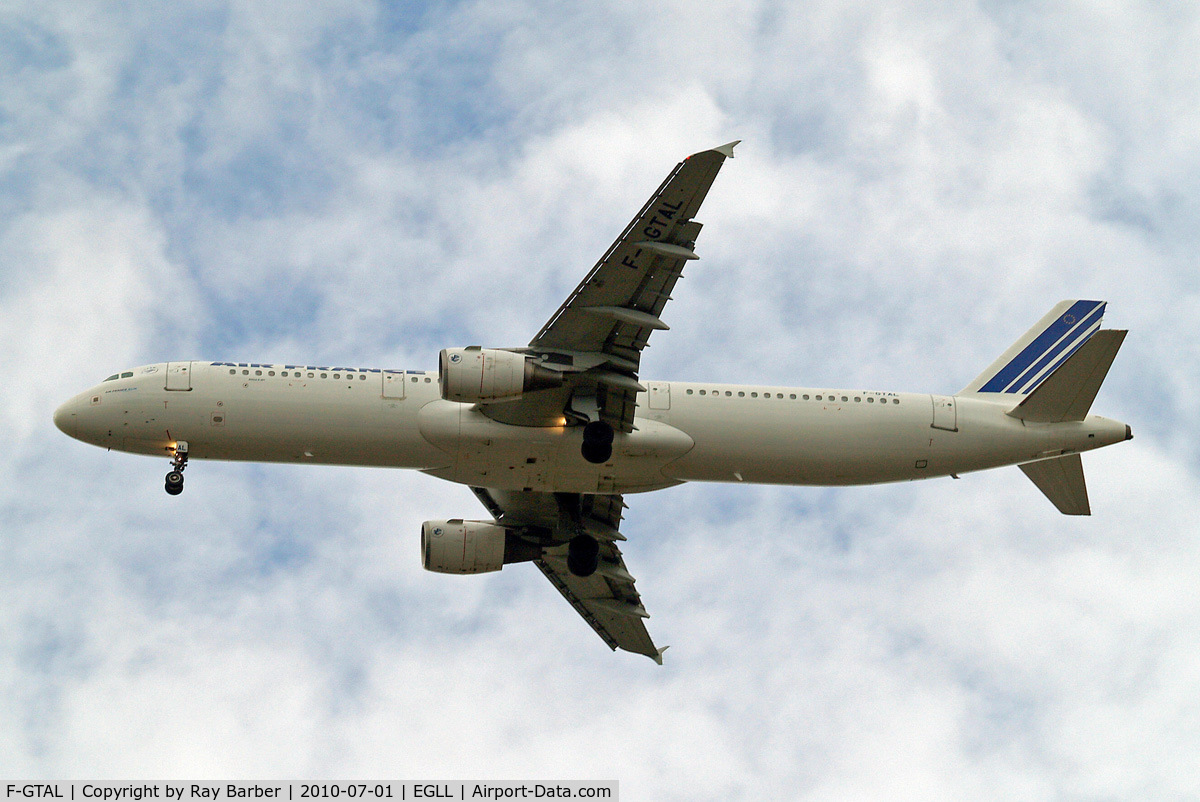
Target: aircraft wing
(596, 337)
(607, 599)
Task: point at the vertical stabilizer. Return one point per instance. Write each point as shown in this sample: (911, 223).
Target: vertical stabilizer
(1039, 352)
(1061, 479)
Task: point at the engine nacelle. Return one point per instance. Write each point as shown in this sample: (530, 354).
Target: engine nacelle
(462, 547)
(472, 375)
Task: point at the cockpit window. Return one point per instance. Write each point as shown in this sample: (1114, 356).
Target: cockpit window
(114, 376)
(127, 374)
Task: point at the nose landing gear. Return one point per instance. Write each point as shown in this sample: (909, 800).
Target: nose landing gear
(174, 481)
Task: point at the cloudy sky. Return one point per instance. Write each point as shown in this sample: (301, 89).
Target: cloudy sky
(350, 182)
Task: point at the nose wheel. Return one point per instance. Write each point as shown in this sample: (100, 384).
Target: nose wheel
(174, 480)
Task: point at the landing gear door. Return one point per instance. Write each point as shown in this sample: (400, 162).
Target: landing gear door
(393, 384)
(179, 375)
(660, 395)
(945, 413)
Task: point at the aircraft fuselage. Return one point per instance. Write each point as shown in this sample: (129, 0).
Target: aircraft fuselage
(683, 431)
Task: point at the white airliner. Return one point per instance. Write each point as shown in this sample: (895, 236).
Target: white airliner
(551, 436)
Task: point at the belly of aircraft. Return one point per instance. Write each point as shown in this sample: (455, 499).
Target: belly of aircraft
(485, 453)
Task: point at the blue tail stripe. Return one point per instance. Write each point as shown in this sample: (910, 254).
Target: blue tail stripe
(1041, 344)
(1063, 358)
(1077, 337)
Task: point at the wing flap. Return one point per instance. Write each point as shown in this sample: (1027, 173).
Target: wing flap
(610, 316)
(608, 599)
(641, 267)
(611, 607)
(619, 304)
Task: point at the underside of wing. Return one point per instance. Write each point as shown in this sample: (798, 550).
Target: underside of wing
(596, 337)
(617, 305)
(603, 593)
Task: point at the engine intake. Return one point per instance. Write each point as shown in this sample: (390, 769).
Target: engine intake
(472, 375)
(471, 547)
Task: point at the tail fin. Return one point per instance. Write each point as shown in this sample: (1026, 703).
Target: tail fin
(1041, 350)
(1061, 479)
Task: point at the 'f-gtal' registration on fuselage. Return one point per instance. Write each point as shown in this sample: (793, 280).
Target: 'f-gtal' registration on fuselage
(550, 436)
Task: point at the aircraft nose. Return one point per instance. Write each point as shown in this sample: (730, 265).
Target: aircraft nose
(66, 419)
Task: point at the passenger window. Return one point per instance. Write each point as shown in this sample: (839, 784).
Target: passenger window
(701, 392)
(258, 373)
(791, 396)
(310, 374)
(232, 371)
(337, 375)
(689, 392)
(895, 400)
(870, 400)
(362, 377)
(741, 394)
(857, 399)
(245, 373)
(806, 396)
(324, 375)
(270, 373)
(428, 380)
(728, 393)
(754, 395)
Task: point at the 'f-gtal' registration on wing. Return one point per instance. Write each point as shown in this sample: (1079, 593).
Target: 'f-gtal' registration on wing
(551, 436)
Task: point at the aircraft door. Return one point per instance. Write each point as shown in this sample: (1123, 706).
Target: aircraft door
(393, 384)
(660, 395)
(179, 375)
(945, 413)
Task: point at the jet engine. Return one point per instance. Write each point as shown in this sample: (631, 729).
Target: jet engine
(471, 547)
(472, 375)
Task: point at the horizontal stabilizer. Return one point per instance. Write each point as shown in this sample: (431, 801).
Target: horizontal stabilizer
(1067, 394)
(1061, 479)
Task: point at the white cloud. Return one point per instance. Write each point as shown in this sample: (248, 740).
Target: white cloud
(356, 183)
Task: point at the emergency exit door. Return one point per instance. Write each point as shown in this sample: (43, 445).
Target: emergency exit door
(660, 395)
(945, 413)
(179, 375)
(393, 383)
